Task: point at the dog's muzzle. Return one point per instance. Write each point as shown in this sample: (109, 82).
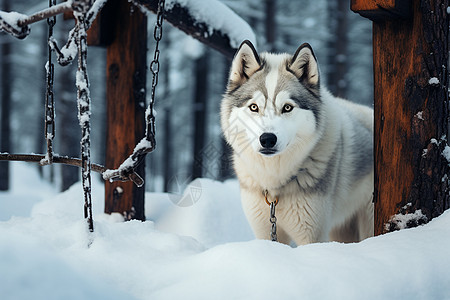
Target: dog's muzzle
(268, 141)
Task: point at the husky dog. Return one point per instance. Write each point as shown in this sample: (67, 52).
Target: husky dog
(295, 142)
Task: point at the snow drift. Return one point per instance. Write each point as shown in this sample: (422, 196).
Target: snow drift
(203, 251)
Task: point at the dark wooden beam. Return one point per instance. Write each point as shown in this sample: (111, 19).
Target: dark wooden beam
(181, 18)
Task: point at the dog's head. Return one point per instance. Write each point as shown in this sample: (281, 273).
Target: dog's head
(272, 102)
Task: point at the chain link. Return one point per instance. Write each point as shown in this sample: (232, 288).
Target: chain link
(272, 219)
(84, 106)
(81, 6)
(49, 96)
(154, 68)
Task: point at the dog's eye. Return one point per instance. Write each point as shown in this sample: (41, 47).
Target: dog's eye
(253, 107)
(287, 108)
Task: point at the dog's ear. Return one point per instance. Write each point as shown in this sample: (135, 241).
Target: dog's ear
(245, 63)
(304, 66)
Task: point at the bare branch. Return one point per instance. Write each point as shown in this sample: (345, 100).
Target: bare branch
(46, 13)
(37, 158)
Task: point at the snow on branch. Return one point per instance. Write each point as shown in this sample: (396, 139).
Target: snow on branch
(211, 22)
(68, 52)
(9, 22)
(17, 24)
(126, 170)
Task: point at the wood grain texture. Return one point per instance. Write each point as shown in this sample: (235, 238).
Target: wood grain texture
(372, 4)
(411, 115)
(126, 82)
(381, 9)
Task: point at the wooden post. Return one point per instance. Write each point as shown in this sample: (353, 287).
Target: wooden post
(410, 53)
(125, 94)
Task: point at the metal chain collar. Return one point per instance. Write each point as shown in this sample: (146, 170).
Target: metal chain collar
(272, 219)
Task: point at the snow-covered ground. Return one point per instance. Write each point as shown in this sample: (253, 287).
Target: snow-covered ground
(200, 251)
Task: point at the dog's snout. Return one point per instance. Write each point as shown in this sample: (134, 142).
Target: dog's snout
(268, 140)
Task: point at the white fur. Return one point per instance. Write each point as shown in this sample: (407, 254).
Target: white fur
(272, 77)
(299, 124)
(303, 216)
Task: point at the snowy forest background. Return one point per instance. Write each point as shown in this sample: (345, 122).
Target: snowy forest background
(279, 25)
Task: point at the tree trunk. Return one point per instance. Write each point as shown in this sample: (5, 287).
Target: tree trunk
(167, 153)
(5, 145)
(226, 166)
(199, 108)
(126, 81)
(338, 56)
(270, 24)
(411, 116)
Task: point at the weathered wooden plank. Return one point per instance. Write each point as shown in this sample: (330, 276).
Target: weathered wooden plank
(411, 115)
(381, 9)
(181, 18)
(125, 93)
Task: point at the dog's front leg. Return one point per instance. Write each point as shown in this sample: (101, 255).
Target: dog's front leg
(258, 215)
(305, 220)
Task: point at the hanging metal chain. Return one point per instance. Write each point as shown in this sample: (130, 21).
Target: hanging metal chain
(272, 219)
(84, 105)
(154, 68)
(49, 96)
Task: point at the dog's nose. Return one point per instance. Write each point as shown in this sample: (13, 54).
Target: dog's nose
(268, 140)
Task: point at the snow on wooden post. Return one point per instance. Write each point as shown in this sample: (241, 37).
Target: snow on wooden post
(410, 56)
(126, 30)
